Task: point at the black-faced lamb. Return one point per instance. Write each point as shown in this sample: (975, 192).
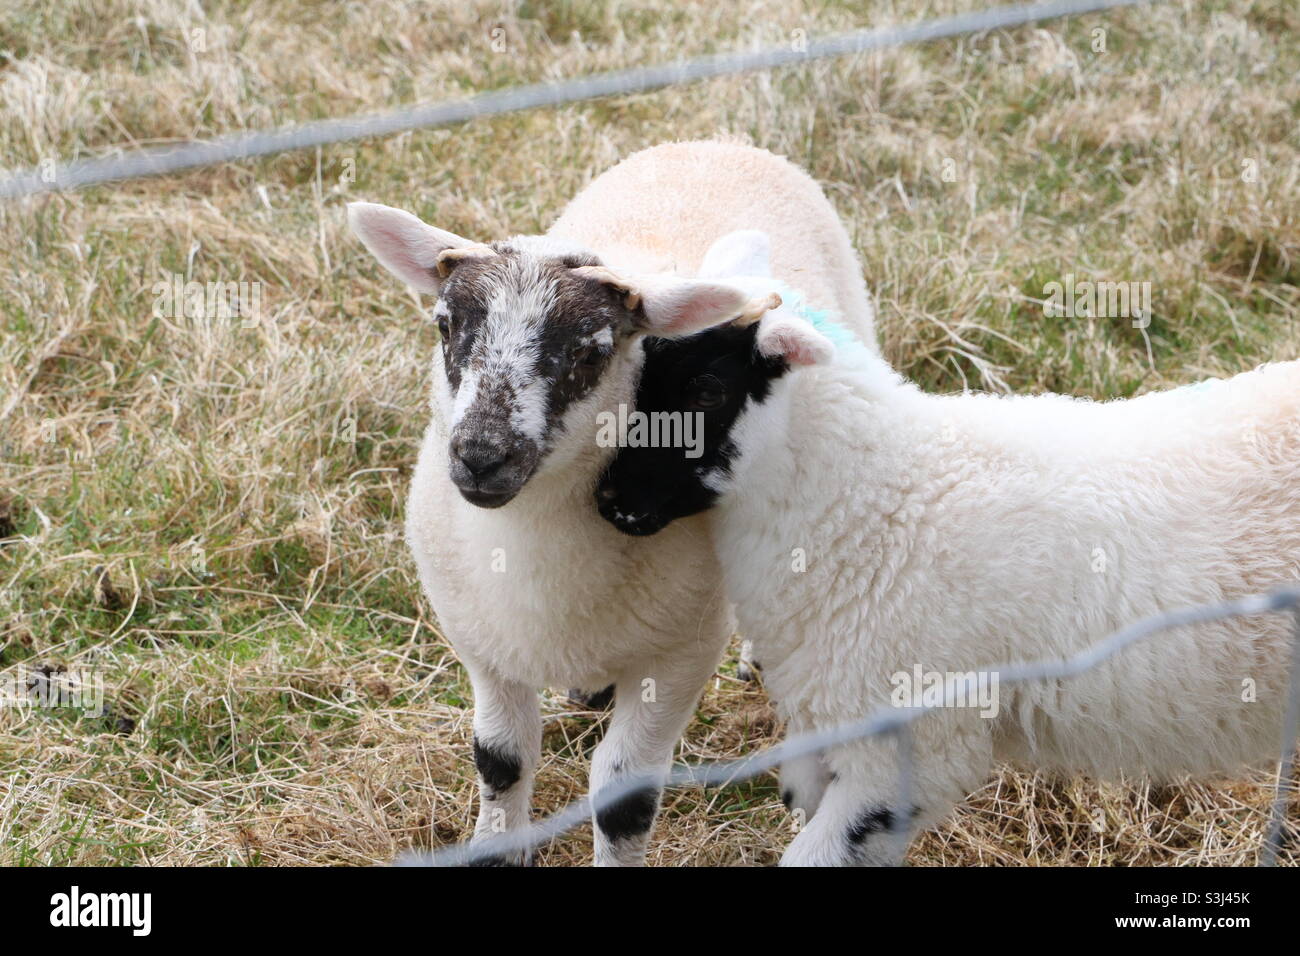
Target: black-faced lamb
(869, 532)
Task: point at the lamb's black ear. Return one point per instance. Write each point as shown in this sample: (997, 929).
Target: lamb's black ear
(417, 253)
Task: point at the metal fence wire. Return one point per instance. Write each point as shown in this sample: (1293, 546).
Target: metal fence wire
(154, 161)
(897, 721)
(160, 160)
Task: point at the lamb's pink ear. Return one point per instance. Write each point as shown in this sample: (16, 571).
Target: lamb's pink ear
(791, 338)
(415, 252)
(672, 306)
(675, 307)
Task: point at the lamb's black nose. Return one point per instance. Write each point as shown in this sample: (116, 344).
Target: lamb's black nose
(480, 458)
(607, 493)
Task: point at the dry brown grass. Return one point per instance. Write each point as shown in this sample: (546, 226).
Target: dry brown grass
(277, 692)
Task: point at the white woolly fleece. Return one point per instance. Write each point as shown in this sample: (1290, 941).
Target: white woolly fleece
(962, 532)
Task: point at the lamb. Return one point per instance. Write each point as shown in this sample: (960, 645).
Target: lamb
(540, 334)
(868, 530)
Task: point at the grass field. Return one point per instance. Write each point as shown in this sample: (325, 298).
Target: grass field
(207, 511)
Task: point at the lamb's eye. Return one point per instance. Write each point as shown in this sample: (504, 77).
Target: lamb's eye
(444, 328)
(588, 357)
(705, 394)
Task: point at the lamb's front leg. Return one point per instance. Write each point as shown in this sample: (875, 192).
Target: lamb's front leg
(803, 784)
(507, 747)
(652, 706)
(803, 779)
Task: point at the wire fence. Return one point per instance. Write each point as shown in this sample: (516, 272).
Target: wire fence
(161, 160)
(156, 161)
(898, 721)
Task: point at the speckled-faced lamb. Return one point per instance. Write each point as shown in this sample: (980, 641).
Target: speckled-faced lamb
(876, 539)
(540, 334)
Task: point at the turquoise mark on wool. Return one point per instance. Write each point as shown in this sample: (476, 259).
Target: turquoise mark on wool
(825, 321)
(1201, 388)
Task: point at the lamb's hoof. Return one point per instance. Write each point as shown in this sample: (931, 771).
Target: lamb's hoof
(599, 700)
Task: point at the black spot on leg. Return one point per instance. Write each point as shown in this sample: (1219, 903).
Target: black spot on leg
(498, 769)
(629, 816)
(873, 820)
(787, 797)
(868, 822)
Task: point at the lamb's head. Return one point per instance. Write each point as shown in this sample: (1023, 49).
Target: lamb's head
(538, 336)
(724, 376)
